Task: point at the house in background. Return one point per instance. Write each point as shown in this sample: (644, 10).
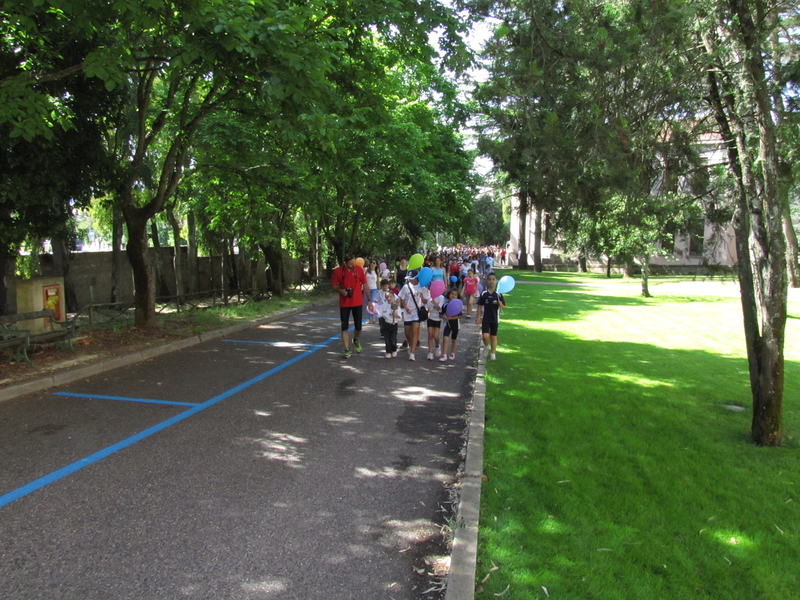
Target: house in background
(704, 245)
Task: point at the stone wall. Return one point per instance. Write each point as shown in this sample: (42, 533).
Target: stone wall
(90, 273)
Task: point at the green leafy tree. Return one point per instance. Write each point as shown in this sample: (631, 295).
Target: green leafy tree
(488, 219)
(733, 37)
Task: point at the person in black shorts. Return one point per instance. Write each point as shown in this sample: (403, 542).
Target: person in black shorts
(489, 304)
(350, 282)
(450, 333)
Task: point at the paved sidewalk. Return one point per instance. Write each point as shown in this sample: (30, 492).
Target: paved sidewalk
(253, 464)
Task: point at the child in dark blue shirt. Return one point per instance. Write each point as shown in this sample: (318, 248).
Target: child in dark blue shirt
(489, 304)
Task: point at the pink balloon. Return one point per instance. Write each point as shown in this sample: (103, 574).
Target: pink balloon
(437, 288)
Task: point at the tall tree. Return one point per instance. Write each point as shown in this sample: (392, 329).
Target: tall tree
(734, 36)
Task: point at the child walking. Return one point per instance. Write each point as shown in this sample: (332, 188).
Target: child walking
(489, 304)
(390, 316)
(470, 290)
(434, 325)
(450, 333)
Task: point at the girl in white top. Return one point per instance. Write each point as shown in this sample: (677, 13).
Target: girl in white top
(434, 325)
(412, 296)
(372, 284)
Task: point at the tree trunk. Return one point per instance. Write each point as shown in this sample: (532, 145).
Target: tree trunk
(523, 228)
(117, 230)
(274, 257)
(791, 251)
(645, 276)
(144, 295)
(5, 262)
(224, 271)
(766, 238)
(608, 266)
(537, 240)
(191, 258)
(582, 263)
(630, 267)
(232, 267)
(178, 257)
(313, 258)
(760, 239)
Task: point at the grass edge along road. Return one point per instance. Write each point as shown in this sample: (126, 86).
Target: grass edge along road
(617, 450)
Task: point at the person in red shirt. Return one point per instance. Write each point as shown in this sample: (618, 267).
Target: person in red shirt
(455, 271)
(350, 282)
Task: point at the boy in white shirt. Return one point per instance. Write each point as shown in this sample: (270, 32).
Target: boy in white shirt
(390, 315)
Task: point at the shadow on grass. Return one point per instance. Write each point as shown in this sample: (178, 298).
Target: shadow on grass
(624, 470)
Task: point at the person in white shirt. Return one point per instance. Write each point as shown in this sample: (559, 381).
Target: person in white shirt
(434, 325)
(412, 298)
(372, 284)
(390, 316)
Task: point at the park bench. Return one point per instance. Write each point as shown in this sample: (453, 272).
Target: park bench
(17, 341)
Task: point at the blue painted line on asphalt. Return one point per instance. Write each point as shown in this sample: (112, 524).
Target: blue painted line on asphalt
(280, 344)
(105, 452)
(125, 399)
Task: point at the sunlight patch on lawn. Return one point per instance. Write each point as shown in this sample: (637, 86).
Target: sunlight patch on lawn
(551, 525)
(633, 379)
(734, 539)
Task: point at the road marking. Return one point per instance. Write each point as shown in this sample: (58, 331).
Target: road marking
(97, 456)
(123, 398)
(278, 344)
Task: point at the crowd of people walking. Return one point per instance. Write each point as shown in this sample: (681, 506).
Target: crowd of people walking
(437, 291)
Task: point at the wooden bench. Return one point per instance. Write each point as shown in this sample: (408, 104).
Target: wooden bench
(17, 341)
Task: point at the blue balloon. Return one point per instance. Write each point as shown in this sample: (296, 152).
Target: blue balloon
(425, 276)
(506, 284)
(453, 278)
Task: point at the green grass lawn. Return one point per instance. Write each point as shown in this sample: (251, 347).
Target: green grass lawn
(617, 448)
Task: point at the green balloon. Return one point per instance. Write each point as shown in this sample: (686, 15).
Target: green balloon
(416, 260)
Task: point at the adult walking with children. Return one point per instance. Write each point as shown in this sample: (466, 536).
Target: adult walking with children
(350, 282)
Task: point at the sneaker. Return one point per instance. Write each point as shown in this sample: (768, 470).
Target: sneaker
(493, 356)
(452, 357)
(443, 358)
(357, 346)
(388, 355)
(394, 354)
(404, 345)
(346, 353)
(430, 355)
(412, 357)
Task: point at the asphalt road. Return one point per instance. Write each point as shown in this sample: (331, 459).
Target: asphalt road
(260, 467)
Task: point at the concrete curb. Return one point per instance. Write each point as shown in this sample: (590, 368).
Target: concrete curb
(70, 375)
(463, 559)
